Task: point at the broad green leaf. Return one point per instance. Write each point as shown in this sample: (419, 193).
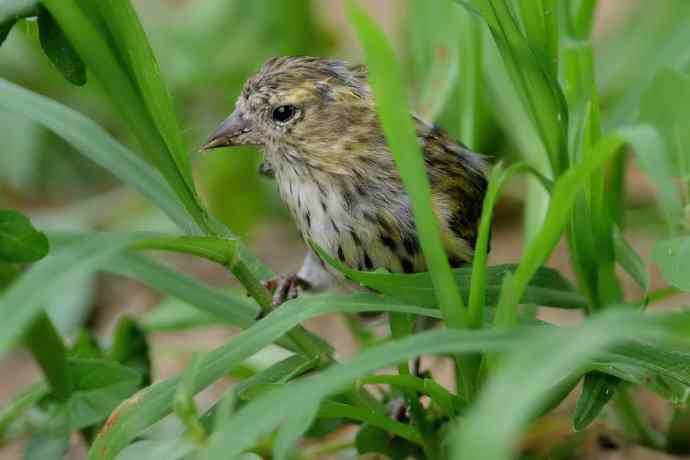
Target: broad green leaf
(50, 353)
(99, 386)
(492, 428)
(673, 256)
(130, 348)
(13, 10)
(391, 97)
(597, 391)
(154, 402)
(548, 287)
(58, 49)
(93, 142)
(20, 242)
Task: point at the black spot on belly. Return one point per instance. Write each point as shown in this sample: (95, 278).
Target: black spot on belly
(389, 242)
(335, 227)
(407, 265)
(341, 254)
(307, 217)
(355, 238)
(411, 245)
(323, 206)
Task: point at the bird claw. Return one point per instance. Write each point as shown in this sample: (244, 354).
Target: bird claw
(284, 288)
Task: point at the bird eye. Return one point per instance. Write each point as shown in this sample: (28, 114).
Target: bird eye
(283, 113)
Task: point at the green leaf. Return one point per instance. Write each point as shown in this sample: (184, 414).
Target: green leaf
(478, 287)
(184, 404)
(631, 261)
(20, 242)
(216, 305)
(434, 52)
(391, 96)
(22, 301)
(154, 402)
(99, 386)
(13, 10)
(94, 45)
(48, 444)
(666, 105)
(673, 256)
(132, 43)
(58, 49)
(597, 391)
(562, 201)
(296, 424)
(576, 345)
(166, 449)
(50, 352)
(548, 287)
(97, 145)
(371, 439)
(492, 428)
(652, 154)
(532, 77)
(130, 348)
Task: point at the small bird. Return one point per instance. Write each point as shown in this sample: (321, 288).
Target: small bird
(317, 123)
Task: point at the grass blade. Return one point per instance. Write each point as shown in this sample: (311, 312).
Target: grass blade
(398, 127)
(154, 402)
(93, 142)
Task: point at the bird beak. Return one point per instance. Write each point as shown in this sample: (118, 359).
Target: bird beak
(226, 135)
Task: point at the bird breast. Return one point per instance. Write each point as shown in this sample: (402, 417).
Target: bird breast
(363, 229)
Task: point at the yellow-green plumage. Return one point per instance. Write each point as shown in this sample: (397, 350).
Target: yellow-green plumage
(336, 173)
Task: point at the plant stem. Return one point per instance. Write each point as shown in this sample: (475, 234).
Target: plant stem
(633, 421)
(50, 353)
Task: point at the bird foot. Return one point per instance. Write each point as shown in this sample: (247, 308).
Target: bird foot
(284, 288)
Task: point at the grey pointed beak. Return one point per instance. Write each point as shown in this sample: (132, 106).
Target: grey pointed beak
(226, 135)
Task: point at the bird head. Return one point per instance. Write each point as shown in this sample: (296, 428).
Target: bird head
(314, 110)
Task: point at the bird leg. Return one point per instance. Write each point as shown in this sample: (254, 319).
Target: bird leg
(285, 287)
